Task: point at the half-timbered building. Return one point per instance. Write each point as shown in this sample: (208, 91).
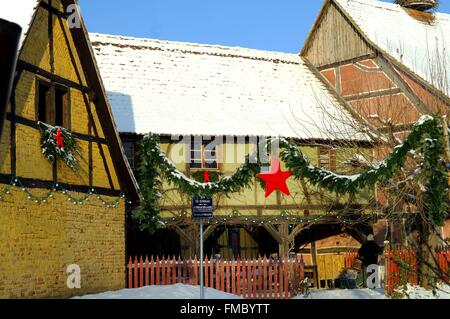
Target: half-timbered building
(62, 228)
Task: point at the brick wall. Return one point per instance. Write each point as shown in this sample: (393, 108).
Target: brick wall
(38, 242)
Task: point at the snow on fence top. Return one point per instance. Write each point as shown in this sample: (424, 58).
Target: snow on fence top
(20, 12)
(192, 89)
(422, 45)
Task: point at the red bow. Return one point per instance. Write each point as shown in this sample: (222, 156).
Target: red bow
(59, 138)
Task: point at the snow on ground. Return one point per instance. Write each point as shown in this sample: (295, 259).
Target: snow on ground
(178, 291)
(411, 292)
(415, 292)
(346, 294)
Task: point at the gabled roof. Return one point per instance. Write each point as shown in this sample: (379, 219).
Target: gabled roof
(178, 88)
(20, 12)
(422, 47)
(23, 12)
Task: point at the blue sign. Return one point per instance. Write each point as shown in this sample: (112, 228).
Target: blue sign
(202, 208)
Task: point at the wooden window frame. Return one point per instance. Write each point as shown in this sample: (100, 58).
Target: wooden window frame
(331, 165)
(133, 153)
(67, 107)
(203, 159)
(42, 82)
(51, 108)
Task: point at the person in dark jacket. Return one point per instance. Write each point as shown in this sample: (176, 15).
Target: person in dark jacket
(369, 253)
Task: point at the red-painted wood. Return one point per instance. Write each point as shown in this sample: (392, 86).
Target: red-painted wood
(239, 277)
(135, 273)
(130, 273)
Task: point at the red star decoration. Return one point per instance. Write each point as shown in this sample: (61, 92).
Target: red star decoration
(276, 179)
(59, 139)
(206, 178)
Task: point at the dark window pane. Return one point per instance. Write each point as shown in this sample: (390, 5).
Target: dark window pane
(61, 108)
(43, 103)
(129, 152)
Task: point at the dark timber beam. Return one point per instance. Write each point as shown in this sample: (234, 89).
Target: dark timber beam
(36, 183)
(22, 65)
(393, 75)
(274, 233)
(372, 94)
(208, 231)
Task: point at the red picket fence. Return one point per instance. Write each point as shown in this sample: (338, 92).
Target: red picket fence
(349, 259)
(402, 266)
(253, 279)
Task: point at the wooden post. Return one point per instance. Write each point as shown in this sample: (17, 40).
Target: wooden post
(211, 273)
(270, 279)
(141, 272)
(152, 271)
(283, 230)
(233, 277)
(206, 273)
(239, 277)
(260, 277)
(135, 272)
(275, 275)
(265, 277)
(180, 278)
(228, 274)
(147, 279)
(130, 273)
(249, 278)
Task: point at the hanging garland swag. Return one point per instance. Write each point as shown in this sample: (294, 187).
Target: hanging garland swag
(426, 136)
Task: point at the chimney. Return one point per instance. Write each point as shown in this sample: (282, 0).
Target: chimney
(420, 5)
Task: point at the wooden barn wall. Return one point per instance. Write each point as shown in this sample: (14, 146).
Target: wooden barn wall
(334, 40)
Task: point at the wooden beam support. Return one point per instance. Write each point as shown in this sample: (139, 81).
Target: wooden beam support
(284, 246)
(373, 94)
(25, 66)
(184, 235)
(33, 124)
(297, 230)
(345, 62)
(208, 231)
(36, 183)
(274, 233)
(387, 67)
(331, 207)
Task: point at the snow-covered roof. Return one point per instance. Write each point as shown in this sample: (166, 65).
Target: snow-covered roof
(191, 89)
(20, 12)
(423, 47)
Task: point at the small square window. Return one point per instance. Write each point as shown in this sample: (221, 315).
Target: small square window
(203, 155)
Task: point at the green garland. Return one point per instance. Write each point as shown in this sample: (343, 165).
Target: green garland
(57, 188)
(230, 184)
(426, 135)
(147, 213)
(51, 151)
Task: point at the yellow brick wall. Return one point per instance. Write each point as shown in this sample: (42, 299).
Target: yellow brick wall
(38, 242)
(5, 151)
(67, 65)
(29, 160)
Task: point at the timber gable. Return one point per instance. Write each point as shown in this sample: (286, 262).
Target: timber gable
(53, 56)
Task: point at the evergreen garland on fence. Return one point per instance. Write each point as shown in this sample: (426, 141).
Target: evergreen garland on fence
(426, 135)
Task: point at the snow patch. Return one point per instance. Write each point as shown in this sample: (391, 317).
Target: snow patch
(178, 291)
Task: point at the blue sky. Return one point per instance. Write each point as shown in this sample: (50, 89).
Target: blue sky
(277, 25)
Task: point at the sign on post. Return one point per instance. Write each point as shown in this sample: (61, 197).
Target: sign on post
(202, 208)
